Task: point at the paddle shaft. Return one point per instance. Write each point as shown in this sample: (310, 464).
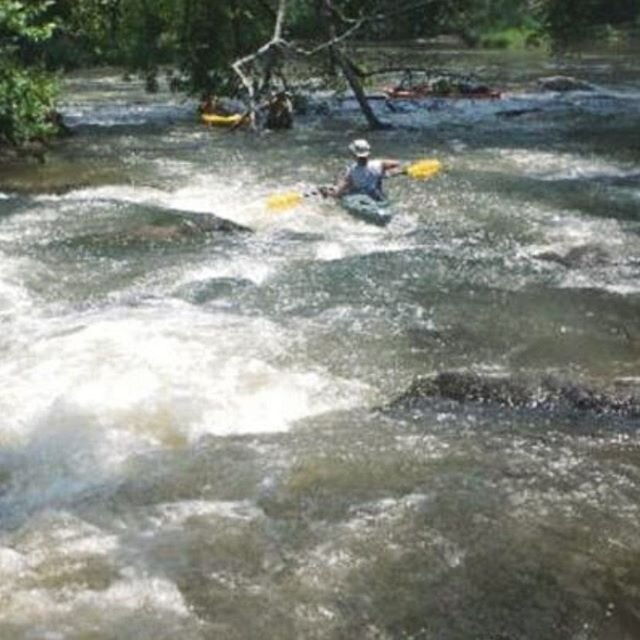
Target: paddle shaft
(419, 170)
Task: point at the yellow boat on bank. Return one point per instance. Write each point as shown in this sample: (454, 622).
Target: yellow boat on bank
(215, 120)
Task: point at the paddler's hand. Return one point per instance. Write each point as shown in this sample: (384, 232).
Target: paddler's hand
(327, 192)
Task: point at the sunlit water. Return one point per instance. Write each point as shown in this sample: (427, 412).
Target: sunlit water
(194, 441)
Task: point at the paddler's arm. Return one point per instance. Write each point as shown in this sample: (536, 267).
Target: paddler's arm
(338, 190)
(392, 167)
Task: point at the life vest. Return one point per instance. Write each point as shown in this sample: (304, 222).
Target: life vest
(367, 179)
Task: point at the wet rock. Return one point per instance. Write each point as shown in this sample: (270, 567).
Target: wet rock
(208, 223)
(170, 226)
(583, 256)
(564, 83)
(182, 229)
(213, 289)
(548, 393)
(163, 229)
(516, 113)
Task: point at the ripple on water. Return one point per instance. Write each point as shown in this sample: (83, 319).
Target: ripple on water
(557, 165)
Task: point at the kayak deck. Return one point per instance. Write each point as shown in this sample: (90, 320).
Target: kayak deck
(367, 209)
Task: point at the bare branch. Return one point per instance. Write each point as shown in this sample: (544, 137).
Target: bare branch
(277, 31)
(358, 23)
(270, 51)
(378, 14)
(333, 41)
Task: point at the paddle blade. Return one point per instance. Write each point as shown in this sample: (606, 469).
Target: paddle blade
(281, 201)
(424, 169)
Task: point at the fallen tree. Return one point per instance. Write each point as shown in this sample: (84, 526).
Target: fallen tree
(261, 70)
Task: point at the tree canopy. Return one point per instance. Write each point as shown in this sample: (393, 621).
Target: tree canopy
(26, 94)
(201, 39)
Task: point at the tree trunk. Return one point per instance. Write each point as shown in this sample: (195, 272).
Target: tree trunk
(356, 86)
(347, 68)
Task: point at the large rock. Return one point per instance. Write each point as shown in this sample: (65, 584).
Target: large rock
(508, 391)
(149, 227)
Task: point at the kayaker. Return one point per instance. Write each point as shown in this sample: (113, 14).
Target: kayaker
(210, 105)
(219, 106)
(279, 110)
(274, 113)
(360, 190)
(364, 176)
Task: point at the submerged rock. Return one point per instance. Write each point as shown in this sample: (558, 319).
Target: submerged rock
(583, 256)
(207, 223)
(564, 83)
(516, 113)
(165, 227)
(201, 292)
(183, 228)
(547, 393)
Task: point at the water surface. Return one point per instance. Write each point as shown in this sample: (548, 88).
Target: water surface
(199, 438)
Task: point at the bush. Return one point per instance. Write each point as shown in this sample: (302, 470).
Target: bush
(26, 105)
(512, 38)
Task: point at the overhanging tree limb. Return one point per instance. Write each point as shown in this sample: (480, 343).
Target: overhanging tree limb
(270, 53)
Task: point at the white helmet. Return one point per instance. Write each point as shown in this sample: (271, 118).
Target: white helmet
(360, 148)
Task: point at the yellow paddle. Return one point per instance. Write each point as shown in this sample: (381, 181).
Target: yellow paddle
(419, 170)
(423, 169)
(280, 201)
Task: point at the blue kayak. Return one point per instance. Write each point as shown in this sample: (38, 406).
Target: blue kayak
(367, 209)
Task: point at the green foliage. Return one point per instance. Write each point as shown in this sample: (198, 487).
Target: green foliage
(511, 38)
(143, 30)
(26, 95)
(26, 102)
(21, 21)
(213, 34)
(304, 17)
(573, 21)
(199, 37)
(87, 33)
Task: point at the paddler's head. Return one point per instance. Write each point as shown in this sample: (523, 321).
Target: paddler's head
(360, 149)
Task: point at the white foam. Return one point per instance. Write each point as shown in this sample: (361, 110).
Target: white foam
(143, 606)
(15, 301)
(44, 592)
(121, 193)
(203, 194)
(558, 166)
(246, 269)
(161, 376)
(12, 564)
(175, 514)
(110, 115)
(573, 230)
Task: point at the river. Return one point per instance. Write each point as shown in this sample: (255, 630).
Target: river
(207, 434)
